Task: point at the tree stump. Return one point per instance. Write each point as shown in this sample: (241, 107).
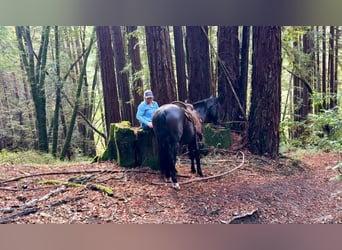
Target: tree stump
(124, 138)
(131, 146)
(216, 136)
(147, 149)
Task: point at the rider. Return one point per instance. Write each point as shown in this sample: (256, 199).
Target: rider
(146, 110)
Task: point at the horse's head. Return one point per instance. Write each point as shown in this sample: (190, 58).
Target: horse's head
(208, 109)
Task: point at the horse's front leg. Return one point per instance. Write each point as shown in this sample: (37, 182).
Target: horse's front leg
(198, 163)
(197, 156)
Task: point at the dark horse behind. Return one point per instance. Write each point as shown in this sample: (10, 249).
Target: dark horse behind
(209, 109)
(176, 124)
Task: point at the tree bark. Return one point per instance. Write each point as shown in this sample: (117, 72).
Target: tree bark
(264, 118)
(35, 70)
(331, 70)
(160, 63)
(134, 55)
(244, 67)
(180, 63)
(337, 38)
(77, 102)
(109, 85)
(58, 85)
(121, 73)
(324, 69)
(229, 73)
(198, 62)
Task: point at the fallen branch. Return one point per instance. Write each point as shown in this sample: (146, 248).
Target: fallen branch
(97, 187)
(34, 201)
(12, 217)
(45, 197)
(21, 189)
(67, 200)
(76, 172)
(27, 208)
(209, 177)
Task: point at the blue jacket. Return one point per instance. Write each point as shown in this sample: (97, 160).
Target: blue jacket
(145, 113)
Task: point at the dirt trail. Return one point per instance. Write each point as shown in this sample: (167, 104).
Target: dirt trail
(262, 191)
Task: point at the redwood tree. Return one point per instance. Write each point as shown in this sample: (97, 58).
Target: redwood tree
(106, 61)
(180, 63)
(160, 63)
(198, 62)
(229, 73)
(244, 68)
(122, 75)
(134, 56)
(264, 118)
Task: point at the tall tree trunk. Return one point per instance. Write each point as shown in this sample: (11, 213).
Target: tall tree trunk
(180, 63)
(35, 70)
(77, 102)
(324, 69)
(134, 55)
(198, 62)
(264, 118)
(229, 73)
(58, 85)
(318, 76)
(337, 38)
(121, 73)
(244, 66)
(160, 63)
(308, 49)
(106, 59)
(297, 89)
(84, 109)
(331, 68)
(213, 58)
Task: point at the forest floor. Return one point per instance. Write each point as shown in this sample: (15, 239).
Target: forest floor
(238, 188)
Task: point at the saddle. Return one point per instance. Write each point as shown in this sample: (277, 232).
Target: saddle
(192, 115)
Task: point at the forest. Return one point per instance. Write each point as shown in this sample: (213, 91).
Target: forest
(61, 87)
(278, 88)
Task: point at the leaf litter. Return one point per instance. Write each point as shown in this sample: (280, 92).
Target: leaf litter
(261, 191)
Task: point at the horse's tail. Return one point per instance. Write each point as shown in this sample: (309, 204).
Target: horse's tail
(163, 140)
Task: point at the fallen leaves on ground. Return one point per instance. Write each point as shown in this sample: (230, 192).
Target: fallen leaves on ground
(262, 190)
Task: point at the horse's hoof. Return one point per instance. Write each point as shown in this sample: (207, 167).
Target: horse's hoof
(176, 186)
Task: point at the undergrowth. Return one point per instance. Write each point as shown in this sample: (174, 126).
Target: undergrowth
(31, 157)
(321, 132)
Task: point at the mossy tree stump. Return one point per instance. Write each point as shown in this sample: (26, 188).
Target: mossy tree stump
(216, 136)
(124, 138)
(147, 149)
(131, 146)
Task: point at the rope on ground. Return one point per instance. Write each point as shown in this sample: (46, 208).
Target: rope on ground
(209, 177)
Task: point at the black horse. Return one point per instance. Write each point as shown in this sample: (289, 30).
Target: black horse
(174, 125)
(209, 109)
